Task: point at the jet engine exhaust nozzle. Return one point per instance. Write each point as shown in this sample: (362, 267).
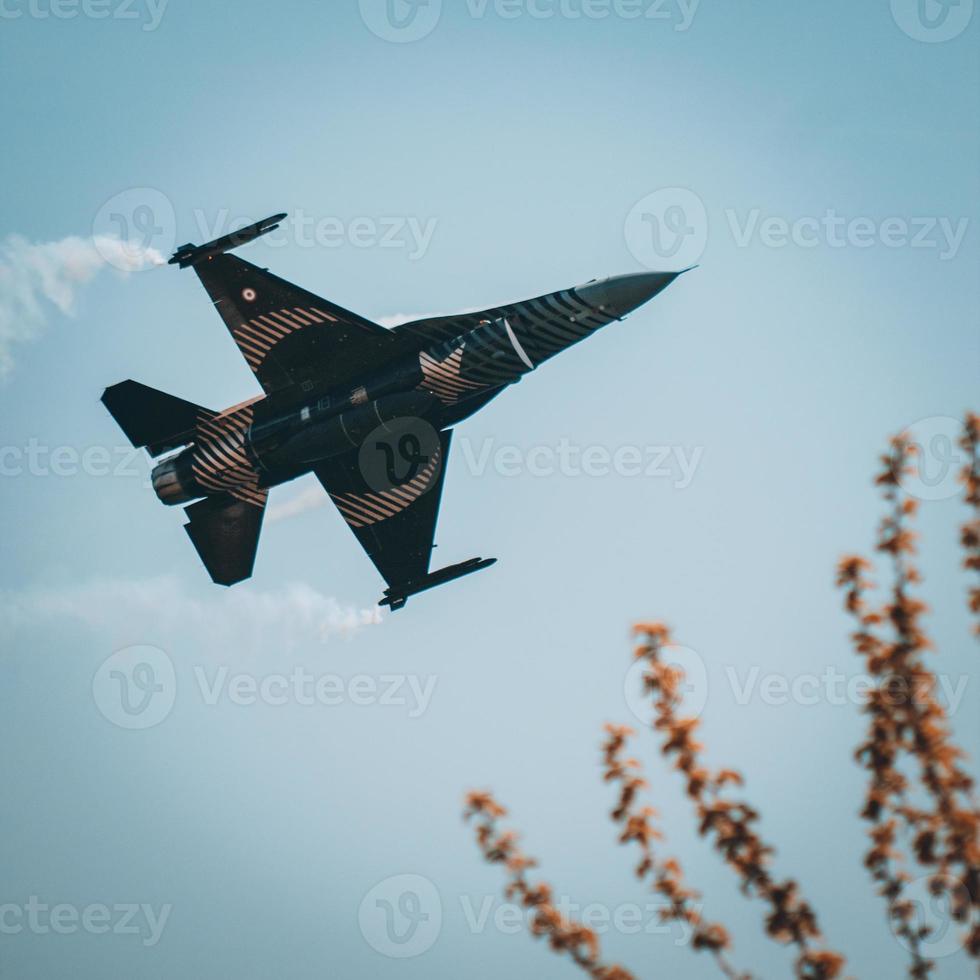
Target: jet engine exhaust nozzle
(173, 480)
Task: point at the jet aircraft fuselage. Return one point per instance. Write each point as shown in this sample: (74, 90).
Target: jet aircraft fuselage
(440, 385)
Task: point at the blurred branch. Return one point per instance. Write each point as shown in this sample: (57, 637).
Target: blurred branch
(666, 876)
(906, 722)
(564, 935)
(970, 533)
(729, 823)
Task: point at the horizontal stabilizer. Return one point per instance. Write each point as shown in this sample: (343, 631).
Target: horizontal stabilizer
(225, 532)
(151, 418)
(397, 596)
(192, 254)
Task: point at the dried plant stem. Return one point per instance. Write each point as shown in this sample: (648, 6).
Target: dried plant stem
(917, 788)
(665, 877)
(729, 823)
(564, 935)
(907, 724)
(970, 533)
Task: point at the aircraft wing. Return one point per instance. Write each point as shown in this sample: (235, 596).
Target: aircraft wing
(288, 335)
(396, 526)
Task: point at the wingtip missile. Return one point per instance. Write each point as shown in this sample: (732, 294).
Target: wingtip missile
(190, 254)
(396, 597)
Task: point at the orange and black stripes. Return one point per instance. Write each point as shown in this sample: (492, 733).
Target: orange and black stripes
(364, 509)
(220, 462)
(259, 335)
(504, 343)
(443, 379)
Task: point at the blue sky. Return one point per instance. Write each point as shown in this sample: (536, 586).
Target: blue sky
(824, 158)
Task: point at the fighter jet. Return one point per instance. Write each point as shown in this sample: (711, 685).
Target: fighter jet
(369, 410)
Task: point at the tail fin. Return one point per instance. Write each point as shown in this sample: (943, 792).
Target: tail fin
(153, 419)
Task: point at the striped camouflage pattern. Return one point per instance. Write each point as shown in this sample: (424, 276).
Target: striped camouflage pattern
(442, 378)
(220, 462)
(550, 324)
(259, 335)
(364, 509)
(495, 347)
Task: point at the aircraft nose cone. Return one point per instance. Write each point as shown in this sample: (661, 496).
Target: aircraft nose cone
(619, 295)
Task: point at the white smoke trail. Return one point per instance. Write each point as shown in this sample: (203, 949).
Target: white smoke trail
(246, 619)
(38, 277)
